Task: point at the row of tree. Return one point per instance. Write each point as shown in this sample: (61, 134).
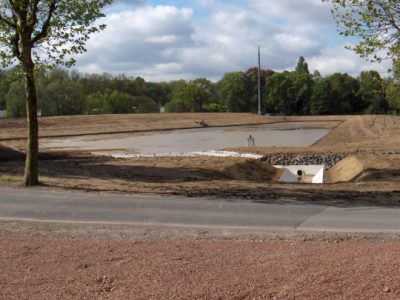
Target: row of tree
(291, 93)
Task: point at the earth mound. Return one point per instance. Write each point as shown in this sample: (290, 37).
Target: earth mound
(364, 132)
(346, 170)
(251, 170)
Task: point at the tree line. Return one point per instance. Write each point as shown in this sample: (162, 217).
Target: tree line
(298, 92)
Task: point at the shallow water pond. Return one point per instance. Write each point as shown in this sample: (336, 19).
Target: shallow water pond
(187, 140)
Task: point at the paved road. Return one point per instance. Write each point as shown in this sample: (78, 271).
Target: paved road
(20, 204)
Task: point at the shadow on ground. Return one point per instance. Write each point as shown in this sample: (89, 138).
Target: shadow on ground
(190, 182)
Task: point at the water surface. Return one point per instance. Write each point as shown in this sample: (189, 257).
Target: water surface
(201, 139)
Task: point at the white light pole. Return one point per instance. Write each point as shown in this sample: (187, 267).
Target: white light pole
(259, 80)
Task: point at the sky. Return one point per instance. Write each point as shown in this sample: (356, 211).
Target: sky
(186, 39)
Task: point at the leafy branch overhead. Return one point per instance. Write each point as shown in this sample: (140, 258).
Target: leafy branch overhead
(375, 22)
(54, 29)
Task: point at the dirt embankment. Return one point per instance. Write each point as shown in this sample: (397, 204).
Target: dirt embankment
(97, 124)
(364, 133)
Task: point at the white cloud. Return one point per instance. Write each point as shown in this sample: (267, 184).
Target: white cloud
(295, 43)
(207, 38)
(139, 39)
(338, 59)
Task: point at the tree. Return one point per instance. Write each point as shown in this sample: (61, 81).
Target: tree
(180, 102)
(302, 66)
(59, 29)
(15, 101)
(252, 80)
(280, 97)
(376, 24)
(203, 92)
(372, 92)
(144, 105)
(4, 86)
(302, 82)
(191, 96)
(345, 99)
(393, 95)
(59, 95)
(320, 101)
(119, 103)
(160, 92)
(235, 92)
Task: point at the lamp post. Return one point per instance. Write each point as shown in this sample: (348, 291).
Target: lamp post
(259, 81)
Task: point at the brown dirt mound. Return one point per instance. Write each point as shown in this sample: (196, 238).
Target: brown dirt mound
(251, 170)
(345, 170)
(364, 132)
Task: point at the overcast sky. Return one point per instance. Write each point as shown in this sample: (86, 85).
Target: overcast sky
(185, 39)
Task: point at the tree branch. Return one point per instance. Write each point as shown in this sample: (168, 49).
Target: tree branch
(46, 25)
(32, 20)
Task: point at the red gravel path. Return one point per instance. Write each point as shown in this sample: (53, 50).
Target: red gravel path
(55, 268)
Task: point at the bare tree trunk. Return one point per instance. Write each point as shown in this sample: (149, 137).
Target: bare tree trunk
(31, 177)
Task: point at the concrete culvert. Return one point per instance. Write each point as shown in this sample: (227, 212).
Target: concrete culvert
(307, 174)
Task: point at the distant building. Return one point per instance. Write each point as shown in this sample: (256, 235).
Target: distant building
(3, 114)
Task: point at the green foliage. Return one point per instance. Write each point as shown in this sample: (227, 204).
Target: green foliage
(290, 92)
(61, 92)
(392, 92)
(252, 82)
(191, 96)
(375, 23)
(160, 92)
(280, 94)
(214, 107)
(321, 96)
(372, 92)
(4, 86)
(235, 92)
(144, 104)
(95, 103)
(15, 96)
(302, 66)
(59, 95)
(302, 82)
(119, 103)
(59, 28)
(181, 98)
(345, 99)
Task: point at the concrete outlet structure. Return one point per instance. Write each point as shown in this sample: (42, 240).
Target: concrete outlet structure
(302, 174)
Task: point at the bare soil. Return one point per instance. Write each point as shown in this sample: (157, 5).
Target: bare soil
(41, 262)
(72, 261)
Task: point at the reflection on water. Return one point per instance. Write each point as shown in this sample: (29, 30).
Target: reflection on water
(280, 135)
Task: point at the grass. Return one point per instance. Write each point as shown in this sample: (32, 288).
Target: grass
(11, 179)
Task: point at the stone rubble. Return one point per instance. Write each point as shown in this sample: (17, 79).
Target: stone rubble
(287, 159)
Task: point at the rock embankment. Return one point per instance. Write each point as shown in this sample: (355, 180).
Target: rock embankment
(286, 159)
